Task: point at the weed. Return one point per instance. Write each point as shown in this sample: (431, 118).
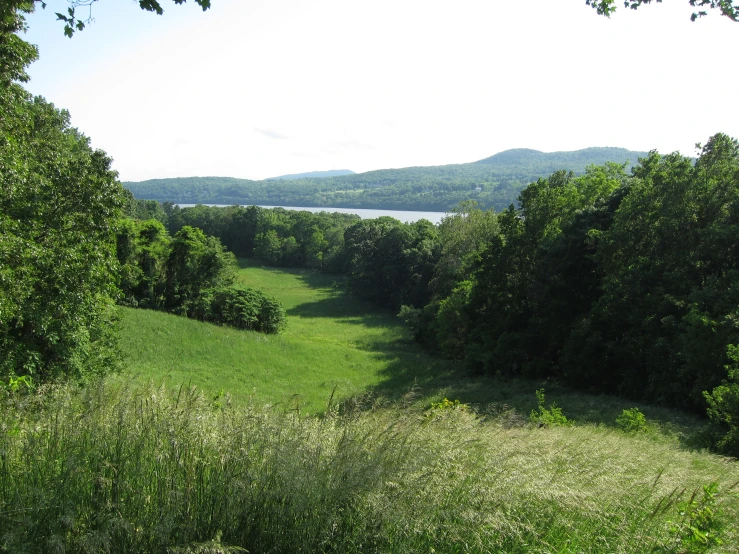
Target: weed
(543, 417)
(698, 528)
(19, 385)
(446, 405)
(116, 468)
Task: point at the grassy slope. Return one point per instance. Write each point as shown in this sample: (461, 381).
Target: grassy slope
(561, 489)
(120, 469)
(333, 340)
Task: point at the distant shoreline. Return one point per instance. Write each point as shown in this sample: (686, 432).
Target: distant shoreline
(406, 216)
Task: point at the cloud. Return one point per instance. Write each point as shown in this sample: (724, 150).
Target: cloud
(271, 134)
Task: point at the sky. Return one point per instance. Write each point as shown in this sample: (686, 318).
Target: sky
(260, 88)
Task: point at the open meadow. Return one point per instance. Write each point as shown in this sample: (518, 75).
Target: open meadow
(157, 459)
(336, 346)
(333, 344)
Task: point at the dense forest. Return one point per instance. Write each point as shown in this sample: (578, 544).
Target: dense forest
(493, 183)
(612, 281)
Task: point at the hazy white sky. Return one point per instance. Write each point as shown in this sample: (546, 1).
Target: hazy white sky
(259, 88)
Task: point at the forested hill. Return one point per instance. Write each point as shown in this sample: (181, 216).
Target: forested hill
(524, 157)
(313, 175)
(492, 182)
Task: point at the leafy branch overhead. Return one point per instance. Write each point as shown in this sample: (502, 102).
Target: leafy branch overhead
(73, 22)
(727, 7)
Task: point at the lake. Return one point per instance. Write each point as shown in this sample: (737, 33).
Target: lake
(401, 215)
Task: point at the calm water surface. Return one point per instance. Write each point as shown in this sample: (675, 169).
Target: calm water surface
(405, 216)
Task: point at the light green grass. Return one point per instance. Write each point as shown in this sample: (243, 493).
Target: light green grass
(334, 341)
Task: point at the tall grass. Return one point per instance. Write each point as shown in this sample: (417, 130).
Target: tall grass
(145, 469)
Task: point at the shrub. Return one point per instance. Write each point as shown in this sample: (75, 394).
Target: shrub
(698, 529)
(446, 406)
(631, 421)
(241, 308)
(545, 417)
(723, 404)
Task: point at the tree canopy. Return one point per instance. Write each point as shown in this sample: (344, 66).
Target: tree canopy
(59, 201)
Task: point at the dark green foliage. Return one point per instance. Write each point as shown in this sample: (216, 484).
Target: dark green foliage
(391, 263)
(439, 188)
(195, 262)
(723, 404)
(668, 303)
(143, 249)
(58, 204)
(239, 307)
(614, 283)
(611, 282)
(276, 236)
(268, 247)
(143, 209)
(189, 274)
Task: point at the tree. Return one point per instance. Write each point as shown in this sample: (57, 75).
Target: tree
(268, 247)
(723, 403)
(391, 263)
(195, 262)
(726, 7)
(670, 282)
(59, 201)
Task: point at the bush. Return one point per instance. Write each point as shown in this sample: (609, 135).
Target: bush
(446, 406)
(723, 404)
(241, 308)
(631, 421)
(545, 417)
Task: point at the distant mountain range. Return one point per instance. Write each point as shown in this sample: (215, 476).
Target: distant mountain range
(493, 182)
(313, 175)
(586, 156)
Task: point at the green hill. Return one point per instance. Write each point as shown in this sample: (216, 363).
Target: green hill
(493, 182)
(181, 465)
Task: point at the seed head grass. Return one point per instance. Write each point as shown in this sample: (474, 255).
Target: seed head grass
(114, 468)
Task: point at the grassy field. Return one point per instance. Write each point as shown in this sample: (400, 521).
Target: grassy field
(141, 463)
(332, 342)
(121, 468)
(336, 342)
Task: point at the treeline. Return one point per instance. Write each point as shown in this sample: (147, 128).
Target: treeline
(493, 183)
(189, 274)
(277, 236)
(612, 281)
